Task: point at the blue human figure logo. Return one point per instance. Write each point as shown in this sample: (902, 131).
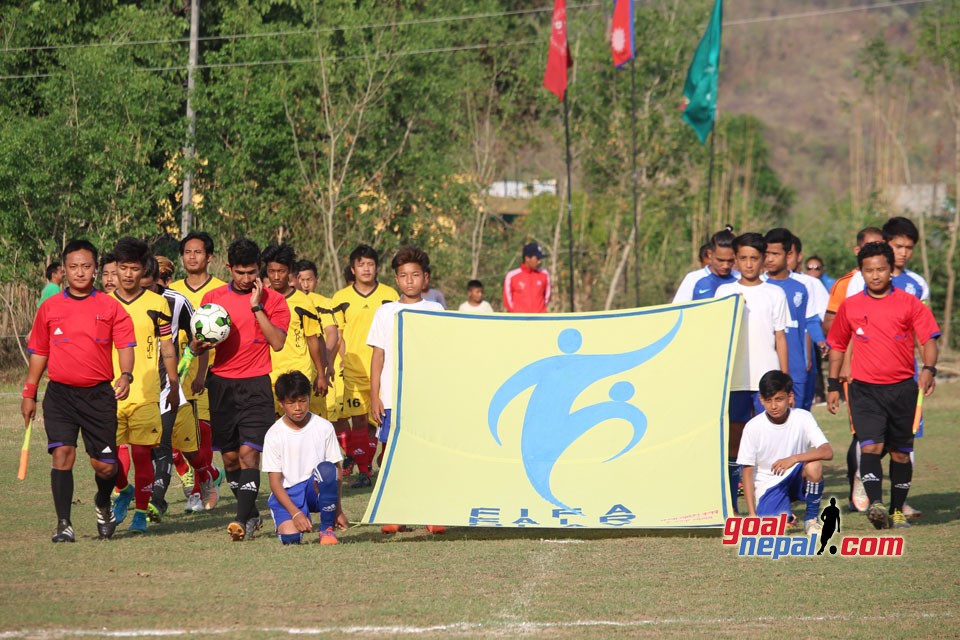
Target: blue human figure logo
(549, 426)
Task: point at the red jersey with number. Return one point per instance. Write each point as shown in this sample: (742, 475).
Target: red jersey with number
(883, 330)
(246, 353)
(78, 335)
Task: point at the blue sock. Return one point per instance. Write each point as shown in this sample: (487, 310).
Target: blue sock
(290, 538)
(326, 485)
(736, 473)
(814, 491)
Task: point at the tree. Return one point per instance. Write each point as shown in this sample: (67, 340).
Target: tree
(939, 43)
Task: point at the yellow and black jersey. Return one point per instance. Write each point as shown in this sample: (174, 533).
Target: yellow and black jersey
(195, 296)
(295, 355)
(354, 314)
(150, 313)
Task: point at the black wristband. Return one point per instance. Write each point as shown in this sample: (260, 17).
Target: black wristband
(932, 369)
(256, 308)
(833, 384)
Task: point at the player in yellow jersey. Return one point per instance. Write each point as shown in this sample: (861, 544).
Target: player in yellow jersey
(357, 303)
(306, 272)
(180, 431)
(303, 350)
(138, 416)
(196, 252)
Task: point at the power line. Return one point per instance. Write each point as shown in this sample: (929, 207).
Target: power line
(259, 63)
(438, 20)
(266, 63)
(823, 12)
(298, 32)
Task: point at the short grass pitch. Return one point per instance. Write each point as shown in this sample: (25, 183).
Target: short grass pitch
(185, 577)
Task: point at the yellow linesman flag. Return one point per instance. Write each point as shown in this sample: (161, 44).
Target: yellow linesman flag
(600, 420)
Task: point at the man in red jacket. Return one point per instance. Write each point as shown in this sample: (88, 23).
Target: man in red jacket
(527, 288)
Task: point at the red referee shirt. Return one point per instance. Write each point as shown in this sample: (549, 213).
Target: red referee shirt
(246, 353)
(78, 336)
(883, 330)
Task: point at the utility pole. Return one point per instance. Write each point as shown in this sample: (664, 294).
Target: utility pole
(186, 218)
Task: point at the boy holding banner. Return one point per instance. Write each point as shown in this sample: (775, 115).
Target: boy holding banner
(762, 345)
(409, 265)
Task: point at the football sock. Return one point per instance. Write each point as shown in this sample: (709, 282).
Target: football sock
(372, 448)
(901, 474)
(247, 494)
(204, 457)
(290, 538)
(812, 498)
(61, 484)
(233, 481)
(104, 489)
(327, 494)
(735, 472)
(142, 475)
(123, 464)
(359, 450)
(162, 463)
(871, 475)
(180, 463)
(852, 464)
(344, 440)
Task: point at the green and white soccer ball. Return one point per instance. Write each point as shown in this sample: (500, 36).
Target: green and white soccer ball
(211, 323)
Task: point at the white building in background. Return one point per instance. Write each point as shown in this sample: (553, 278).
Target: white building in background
(917, 199)
(523, 190)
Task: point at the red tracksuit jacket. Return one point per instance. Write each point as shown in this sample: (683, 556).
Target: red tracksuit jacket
(526, 290)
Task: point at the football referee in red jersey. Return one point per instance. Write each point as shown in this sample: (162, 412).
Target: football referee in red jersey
(882, 322)
(241, 398)
(72, 338)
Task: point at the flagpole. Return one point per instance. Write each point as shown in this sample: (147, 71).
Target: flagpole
(636, 223)
(566, 132)
(713, 134)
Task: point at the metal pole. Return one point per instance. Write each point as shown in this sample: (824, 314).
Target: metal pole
(186, 220)
(713, 134)
(636, 221)
(566, 131)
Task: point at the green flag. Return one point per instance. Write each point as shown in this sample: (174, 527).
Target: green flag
(700, 89)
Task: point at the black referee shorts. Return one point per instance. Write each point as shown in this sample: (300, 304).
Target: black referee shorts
(884, 413)
(241, 411)
(88, 411)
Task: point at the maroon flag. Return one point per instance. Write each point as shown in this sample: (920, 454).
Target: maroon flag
(559, 58)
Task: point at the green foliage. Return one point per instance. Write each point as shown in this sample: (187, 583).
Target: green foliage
(329, 124)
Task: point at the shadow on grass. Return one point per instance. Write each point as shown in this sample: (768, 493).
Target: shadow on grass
(371, 533)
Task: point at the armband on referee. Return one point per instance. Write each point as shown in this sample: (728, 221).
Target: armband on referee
(833, 384)
(29, 391)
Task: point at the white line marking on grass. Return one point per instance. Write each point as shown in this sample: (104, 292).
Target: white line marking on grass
(456, 627)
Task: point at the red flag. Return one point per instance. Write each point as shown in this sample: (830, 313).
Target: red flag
(621, 32)
(559, 58)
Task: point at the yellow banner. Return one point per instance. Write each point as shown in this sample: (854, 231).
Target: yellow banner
(614, 419)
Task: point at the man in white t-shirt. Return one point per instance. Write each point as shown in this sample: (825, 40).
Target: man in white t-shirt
(762, 345)
(409, 265)
(781, 452)
(475, 302)
(301, 457)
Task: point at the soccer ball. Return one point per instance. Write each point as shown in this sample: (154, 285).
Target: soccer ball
(211, 323)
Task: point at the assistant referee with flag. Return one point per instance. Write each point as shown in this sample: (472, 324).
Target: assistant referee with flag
(72, 338)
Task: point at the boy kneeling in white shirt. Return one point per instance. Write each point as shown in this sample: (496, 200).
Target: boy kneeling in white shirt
(301, 457)
(781, 453)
